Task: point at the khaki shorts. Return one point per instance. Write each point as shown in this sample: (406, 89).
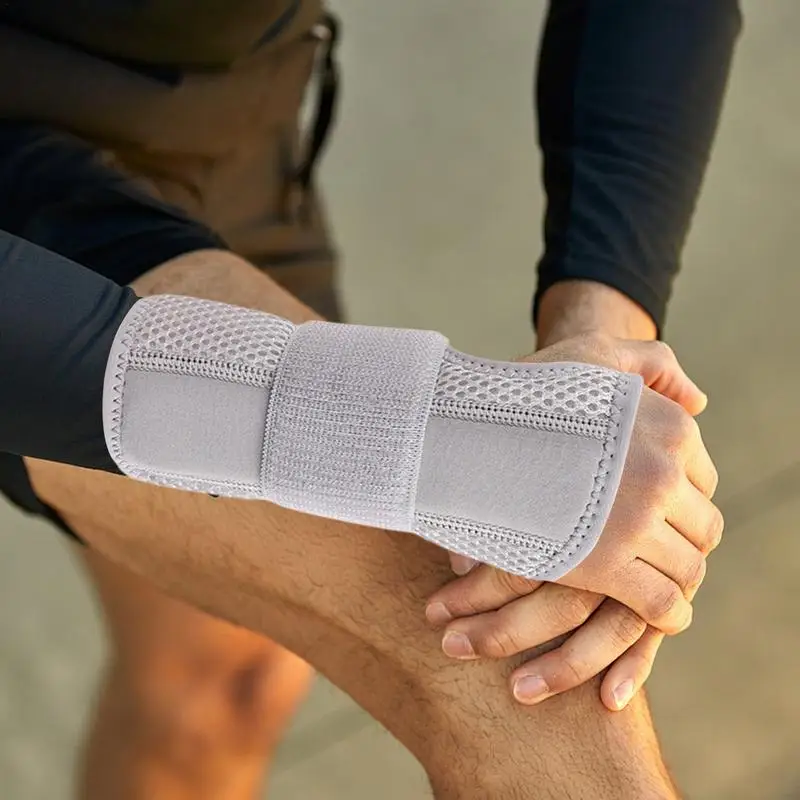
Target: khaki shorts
(223, 146)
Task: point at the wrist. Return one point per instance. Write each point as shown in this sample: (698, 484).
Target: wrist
(570, 308)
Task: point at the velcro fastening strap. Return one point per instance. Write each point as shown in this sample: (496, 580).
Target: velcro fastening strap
(346, 422)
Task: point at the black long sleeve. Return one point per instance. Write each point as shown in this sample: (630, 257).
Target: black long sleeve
(57, 323)
(629, 94)
(61, 203)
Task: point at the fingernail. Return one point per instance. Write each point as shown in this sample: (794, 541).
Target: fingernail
(457, 645)
(530, 688)
(623, 693)
(461, 565)
(437, 614)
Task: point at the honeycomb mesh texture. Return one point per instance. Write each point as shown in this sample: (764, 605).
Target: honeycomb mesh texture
(517, 552)
(201, 337)
(188, 336)
(569, 398)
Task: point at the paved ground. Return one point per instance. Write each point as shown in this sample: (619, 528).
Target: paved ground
(434, 187)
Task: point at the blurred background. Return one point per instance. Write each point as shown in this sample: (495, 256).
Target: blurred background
(434, 191)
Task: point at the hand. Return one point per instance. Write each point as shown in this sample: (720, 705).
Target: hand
(606, 633)
(650, 555)
(613, 628)
(567, 309)
(576, 307)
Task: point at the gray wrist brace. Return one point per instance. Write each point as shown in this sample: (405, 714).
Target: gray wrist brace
(515, 465)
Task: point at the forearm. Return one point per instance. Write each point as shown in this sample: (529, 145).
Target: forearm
(350, 600)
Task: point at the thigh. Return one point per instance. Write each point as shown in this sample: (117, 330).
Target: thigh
(145, 625)
(350, 601)
(159, 645)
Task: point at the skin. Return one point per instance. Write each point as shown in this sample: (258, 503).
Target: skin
(615, 637)
(189, 706)
(350, 601)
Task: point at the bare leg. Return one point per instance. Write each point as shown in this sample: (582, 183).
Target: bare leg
(350, 601)
(190, 707)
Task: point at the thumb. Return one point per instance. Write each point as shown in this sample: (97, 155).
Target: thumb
(661, 372)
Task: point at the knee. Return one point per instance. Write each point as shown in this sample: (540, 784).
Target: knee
(191, 708)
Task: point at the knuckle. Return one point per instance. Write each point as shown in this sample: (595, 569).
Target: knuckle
(695, 574)
(713, 480)
(570, 670)
(662, 604)
(667, 477)
(496, 641)
(672, 474)
(509, 583)
(683, 426)
(595, 338)
(675, 426)
(573, 609)
(715, 529)
(597, 344)
(627, 628)
(666, 352)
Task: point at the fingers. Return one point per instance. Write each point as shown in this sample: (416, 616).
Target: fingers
(660, 370)
(549, 612)
(629, 672)
(657, 599)
(610, 632)
(675, 557)
(461, 565)
(691, 452)
(696, 517)
(700, 468)
(483, 589)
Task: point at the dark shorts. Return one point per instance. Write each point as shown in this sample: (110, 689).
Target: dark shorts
(121, 171)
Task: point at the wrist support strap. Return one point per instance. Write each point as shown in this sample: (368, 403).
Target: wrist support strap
(515, 465)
